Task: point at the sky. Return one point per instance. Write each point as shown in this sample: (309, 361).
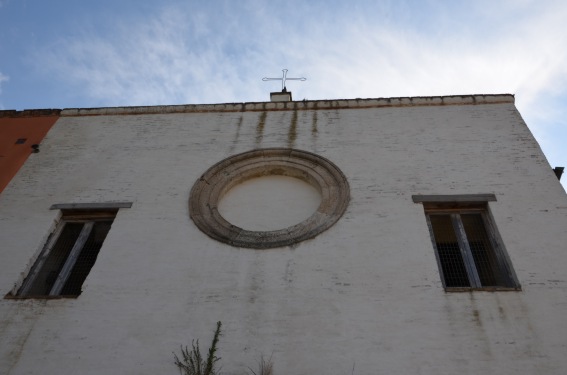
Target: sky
(69, 53)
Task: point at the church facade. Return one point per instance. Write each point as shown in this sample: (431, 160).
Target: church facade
(364, 236)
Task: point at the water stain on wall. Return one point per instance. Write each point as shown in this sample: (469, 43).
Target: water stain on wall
(292, 133)
(237, 135)
(314, 129)
(260, 128)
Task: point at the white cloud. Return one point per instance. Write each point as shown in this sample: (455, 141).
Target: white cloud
(199, 56)
(195, 54)
(171, 59)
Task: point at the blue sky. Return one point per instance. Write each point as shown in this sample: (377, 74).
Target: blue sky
(64, 53)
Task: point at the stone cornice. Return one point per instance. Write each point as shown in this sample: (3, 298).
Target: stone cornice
(273, 106)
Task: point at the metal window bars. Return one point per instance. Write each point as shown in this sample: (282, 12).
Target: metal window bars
(468, 251)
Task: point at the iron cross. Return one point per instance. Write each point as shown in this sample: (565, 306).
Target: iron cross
(283, 79)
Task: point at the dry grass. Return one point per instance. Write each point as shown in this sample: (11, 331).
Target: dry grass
(265, 366)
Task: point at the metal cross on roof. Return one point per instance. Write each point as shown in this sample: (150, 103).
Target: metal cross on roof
(283, 79)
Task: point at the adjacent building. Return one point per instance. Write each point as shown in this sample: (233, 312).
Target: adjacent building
(20, 135)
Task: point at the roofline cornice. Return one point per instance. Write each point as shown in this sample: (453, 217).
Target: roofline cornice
(275, 106)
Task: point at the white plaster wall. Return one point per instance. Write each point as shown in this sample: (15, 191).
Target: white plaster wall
(364, 294)
(269, 203)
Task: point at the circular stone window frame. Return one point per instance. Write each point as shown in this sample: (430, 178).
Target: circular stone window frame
(316, 170)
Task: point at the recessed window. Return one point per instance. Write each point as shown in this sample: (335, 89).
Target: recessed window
(469, 250)
(70, 253)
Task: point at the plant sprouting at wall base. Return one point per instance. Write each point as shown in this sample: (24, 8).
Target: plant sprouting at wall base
(192, 362)
(265, 366)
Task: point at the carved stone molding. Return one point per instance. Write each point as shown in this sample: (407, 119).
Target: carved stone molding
(325, 176)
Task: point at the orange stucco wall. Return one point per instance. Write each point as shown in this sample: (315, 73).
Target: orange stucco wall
(27, 126)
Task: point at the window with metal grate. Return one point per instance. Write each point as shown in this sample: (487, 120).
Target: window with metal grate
(469, 250)
(69, 254)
